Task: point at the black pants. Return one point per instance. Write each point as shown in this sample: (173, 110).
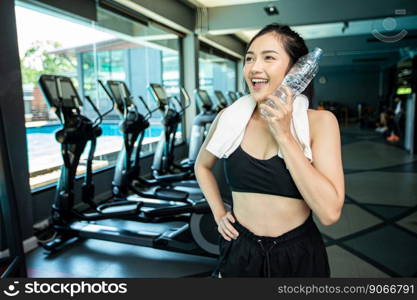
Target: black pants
(395, 125)
(299, 252)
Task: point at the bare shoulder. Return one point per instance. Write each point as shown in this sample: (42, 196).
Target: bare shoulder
(321, 121)
(315, 116)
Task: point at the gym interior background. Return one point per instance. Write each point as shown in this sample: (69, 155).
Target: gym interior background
(369, 59)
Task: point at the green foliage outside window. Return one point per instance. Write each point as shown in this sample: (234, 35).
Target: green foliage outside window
(41, 59)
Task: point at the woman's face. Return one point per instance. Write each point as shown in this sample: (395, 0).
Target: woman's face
(266, 64)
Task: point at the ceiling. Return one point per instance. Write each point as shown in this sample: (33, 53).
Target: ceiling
(369, 28)
(340, 29)
(358, 32)
(216, 3)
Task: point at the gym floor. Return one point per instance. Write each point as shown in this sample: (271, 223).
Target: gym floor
(375, 237)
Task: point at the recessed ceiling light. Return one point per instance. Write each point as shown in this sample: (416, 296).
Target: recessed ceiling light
(271, 10)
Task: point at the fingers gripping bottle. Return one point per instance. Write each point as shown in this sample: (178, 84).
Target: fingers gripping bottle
(298, 77)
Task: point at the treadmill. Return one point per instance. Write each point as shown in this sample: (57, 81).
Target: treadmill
(221, 99)
(112, 221)
(232, 96)
(127, 176)
(164, 166)
(203, 98)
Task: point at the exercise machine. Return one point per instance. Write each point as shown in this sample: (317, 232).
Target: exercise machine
(127, 176)
(106, 221)
(222, 99)
(172, 110)
(232, 96)
(199, 130)
(204, 100)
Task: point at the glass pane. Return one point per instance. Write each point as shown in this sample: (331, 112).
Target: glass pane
(113, 48)
(216, 73)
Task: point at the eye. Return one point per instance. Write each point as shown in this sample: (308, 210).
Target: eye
(248, 59)
(269, 57)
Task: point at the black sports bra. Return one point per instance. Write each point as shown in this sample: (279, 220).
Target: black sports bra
(244, 173)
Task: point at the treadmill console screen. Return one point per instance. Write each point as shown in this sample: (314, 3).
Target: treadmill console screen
(120, 92)
(205, 98)
(160, 94)
(220, 97)
(68, 94)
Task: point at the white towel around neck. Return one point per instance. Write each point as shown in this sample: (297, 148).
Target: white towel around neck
(231, 126)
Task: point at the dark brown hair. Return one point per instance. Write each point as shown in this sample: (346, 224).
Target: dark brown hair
(293, 43)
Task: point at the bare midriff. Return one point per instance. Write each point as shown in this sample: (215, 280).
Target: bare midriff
(269, 215)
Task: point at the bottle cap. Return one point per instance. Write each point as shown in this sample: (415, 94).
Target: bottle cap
(317, 53)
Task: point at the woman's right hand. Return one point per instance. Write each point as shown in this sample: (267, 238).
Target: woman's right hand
(225, 227)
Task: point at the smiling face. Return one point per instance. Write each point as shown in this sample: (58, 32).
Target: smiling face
(266, 64)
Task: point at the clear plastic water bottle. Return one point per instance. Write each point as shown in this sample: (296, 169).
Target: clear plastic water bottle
(298, 77)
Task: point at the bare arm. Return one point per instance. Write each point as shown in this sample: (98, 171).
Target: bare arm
(208, 184)
(206, 180)
(320, 183)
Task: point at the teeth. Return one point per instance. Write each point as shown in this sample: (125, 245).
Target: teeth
(259, 80)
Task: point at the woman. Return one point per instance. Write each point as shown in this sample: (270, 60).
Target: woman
(394, 121)
(270, 232)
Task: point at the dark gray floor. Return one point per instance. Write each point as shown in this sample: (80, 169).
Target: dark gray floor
(375, 237)
(96, 258)
(377, 233)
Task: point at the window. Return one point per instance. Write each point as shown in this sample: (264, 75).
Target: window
(216, 72)
(54, 43)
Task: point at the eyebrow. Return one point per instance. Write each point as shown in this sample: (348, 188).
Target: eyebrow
(263, 52)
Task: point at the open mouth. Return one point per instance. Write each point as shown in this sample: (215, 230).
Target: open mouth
(259, 83)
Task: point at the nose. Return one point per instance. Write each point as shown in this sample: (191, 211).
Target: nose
(256, 67)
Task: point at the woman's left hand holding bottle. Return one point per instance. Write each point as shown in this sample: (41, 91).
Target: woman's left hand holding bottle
(278, 113)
